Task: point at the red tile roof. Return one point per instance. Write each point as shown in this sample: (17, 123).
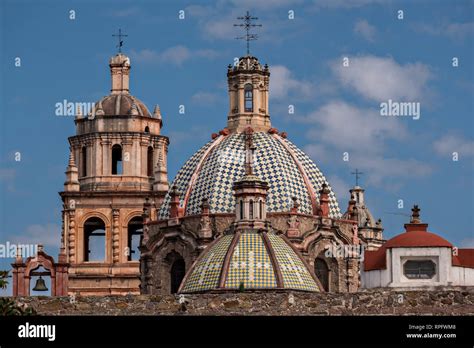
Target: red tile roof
(416, 237)
(464, 258)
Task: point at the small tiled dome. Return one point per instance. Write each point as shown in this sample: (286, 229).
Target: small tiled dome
(211, 171)
(249, 260)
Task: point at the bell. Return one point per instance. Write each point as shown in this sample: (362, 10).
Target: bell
(40, 285)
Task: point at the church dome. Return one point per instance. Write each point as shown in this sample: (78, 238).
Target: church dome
(121, 105)
(249, 261)
(212, 170)
(120, 102)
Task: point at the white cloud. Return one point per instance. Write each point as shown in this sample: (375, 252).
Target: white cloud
(221, 28)
(7, 174)
(204, 97)
(362, 133)
(459, 30)
(126, 12)
(317, 151)
(282, 83)
(195, 133)
(207, 53)
(175, 55)
(264, 4)
(48, 235)
(198, 10)
(452, 30)
(349, 128)
(450, 143)
(364, 29)
(381, 79)
(345, 4)
(381, 171)
(340, 188)
(7, 177)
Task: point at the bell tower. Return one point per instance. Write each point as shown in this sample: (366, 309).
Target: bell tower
(117, 162)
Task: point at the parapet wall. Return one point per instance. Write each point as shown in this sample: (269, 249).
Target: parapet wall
(459, 301)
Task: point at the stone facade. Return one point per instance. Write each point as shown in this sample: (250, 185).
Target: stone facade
(440, 301)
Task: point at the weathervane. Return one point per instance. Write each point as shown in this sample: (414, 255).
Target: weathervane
(247, 24)
(120, 36)
(357, 175)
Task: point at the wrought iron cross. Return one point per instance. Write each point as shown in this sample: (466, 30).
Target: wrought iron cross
(357, 175)
(247, 25)
(120, 36)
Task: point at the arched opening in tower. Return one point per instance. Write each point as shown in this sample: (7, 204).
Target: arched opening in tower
(84, 161)
(149, 162)
(94, 239)
(248, 97)
(117, 160)
(135, 235)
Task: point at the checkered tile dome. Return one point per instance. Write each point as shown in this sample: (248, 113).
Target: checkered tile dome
(212, 170)
(249, 261)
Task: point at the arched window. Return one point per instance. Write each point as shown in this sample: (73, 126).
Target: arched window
(84, 161)
(322, 272)
(94, 240)
(251, 210)
(135, 235)
(149, 162)
(117, 160)
(241, 210)
(248, 97)
(177, 273)
(260, 208)
(147, 129)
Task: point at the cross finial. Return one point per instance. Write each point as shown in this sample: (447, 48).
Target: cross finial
(120, 41)
(415, 215)
(357, 175)
(247, 24)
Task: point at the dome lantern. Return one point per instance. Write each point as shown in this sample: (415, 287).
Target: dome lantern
(248, 85)
(120, 73)
(250, 192)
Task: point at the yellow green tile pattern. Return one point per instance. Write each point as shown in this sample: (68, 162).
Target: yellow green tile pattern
(294, 272)
(205, 274)
(250, 264)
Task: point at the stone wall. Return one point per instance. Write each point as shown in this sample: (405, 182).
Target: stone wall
(452, 301)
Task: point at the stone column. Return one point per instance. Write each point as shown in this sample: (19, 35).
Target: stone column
(115, 235)
(240, 98)
(143, 157)
(128, 156)
(18, 274)
(97, 157)
(72, 236)
(106, 151)
(256, 95)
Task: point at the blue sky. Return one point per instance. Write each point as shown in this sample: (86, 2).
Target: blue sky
(183, 62)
